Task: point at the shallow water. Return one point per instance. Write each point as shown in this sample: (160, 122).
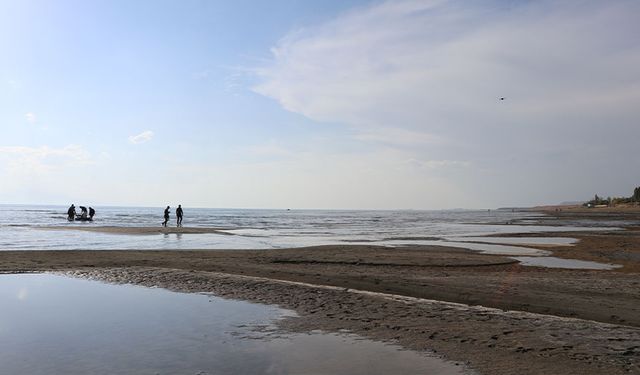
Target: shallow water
(258, 229)
(553, 262)
(57, 325)
(544, 241)
(484, 248)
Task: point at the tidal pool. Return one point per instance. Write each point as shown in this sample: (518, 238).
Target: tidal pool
(52, 324)
(539, 241)
(553, 262)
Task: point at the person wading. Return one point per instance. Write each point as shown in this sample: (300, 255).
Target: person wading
(166, 216)
(71, 213)
(179, 215)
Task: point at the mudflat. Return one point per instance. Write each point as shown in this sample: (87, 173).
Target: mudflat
(485, 311)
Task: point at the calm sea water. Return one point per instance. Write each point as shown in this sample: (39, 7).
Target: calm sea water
(23, 227)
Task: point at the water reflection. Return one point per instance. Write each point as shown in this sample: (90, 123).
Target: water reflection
(539, 241)
(553, 262)
(57, 325)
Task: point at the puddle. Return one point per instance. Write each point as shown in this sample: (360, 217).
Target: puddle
(553, 262)
(486, 248)
(539, 241)
(52, 324)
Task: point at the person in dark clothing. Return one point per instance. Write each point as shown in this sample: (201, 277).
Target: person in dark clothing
(179, 215)
(92, 212)
(166, 216)
(83, 212)
(71, 213)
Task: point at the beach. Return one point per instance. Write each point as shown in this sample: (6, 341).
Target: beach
(484, 311)
(402, 187)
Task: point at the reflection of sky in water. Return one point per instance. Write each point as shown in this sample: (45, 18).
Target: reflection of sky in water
(556, 241)
(56, 325)
(553, 262)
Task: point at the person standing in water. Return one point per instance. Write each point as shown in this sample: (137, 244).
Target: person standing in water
(179, 215)
(91, 213)
(166, 216)
(71, 213)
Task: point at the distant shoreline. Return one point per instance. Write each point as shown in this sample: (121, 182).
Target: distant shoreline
(622, 208)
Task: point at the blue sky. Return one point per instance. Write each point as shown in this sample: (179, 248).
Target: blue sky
(328, 104)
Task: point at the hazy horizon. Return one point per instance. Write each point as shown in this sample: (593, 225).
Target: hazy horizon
(354, 104)
(162, 206)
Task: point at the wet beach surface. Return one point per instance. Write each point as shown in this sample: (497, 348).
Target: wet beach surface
(135, 228)
(78, 326)
(485, 311)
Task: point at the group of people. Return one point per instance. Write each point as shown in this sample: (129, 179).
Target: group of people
(85, 215)
(179, 214)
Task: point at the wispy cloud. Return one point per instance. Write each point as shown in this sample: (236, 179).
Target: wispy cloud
(31, 117)
(143, 137)
(397, 136)
(434, 164)
(434, 70)
(202, 74)
(29, 173)
(440, 66)
(14, 84)
(40, 159)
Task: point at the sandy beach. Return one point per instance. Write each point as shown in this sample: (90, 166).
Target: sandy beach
(224, 187)
(486, 312)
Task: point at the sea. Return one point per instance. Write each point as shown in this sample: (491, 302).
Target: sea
(28, 227)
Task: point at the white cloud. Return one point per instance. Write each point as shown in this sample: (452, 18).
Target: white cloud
(30, 117)
(37, 159)
(433, 71)
(397, 136)
(145, 136)
(14, 84)
(202, 75)
(318, 179)
(435, 65)
(433, 164)
(75, 153)
(37, 174)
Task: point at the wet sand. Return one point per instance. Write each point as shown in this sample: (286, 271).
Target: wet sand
(485, 311)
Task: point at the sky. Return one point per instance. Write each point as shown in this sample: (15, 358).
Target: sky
(347, 104)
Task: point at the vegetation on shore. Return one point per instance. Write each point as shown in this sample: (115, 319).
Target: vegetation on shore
(609, 201)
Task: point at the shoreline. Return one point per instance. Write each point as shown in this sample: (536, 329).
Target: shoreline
(487, 340)
(485, 311)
